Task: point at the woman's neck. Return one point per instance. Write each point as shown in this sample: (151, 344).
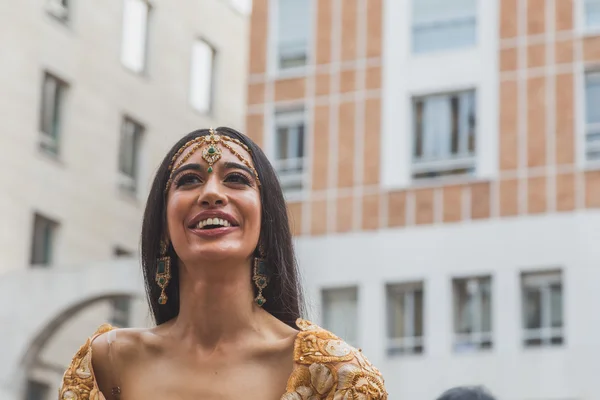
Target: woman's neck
(216, 305)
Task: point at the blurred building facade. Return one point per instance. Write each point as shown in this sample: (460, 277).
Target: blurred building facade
(440, 160)
(93, 96)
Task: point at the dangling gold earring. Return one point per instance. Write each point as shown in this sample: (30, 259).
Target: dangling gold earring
(163, 272)
(260, 277)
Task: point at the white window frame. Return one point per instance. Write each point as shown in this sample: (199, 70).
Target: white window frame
(58, 9)
(54, 91)
(128, 180)
(134, 42)
(440, 23)
(410, 343)
(590, 128)
(463, 159)
(479, 339)
(290, 117)
(542, 280)
(202, 90)
(351, 291)
(274, 44)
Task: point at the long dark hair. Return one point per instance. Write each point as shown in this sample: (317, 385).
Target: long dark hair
(284, 293)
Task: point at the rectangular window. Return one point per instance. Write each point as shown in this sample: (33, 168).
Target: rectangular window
(120, 252)
(135, 34)
(592, 115)
(289, 149)
(37, 390)
(592, 14)
(129, 154)
(58, 9)
(405, 318)
(542, 308)
(293, 29)
(340, 313)
(202, 76)
(444, 136)
(121, 311)
(472, 313)
(443, 25)
(44, 232)
(52, 104)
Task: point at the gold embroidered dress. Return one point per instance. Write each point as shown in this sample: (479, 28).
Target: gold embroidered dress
(325, 368)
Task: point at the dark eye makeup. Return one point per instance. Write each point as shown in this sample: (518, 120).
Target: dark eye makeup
(194, 179)
(188, 179)
(237, 177)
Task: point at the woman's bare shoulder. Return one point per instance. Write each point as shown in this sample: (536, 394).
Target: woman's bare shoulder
(96, 365)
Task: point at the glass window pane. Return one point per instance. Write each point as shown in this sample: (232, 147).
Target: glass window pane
(129, 149)
(418, 128)
(592, 98)
(42, 240)
(592, 13)
(52, 98)
(300, 142)
(439, 24)
(135, 21)
(463, 308)
(396, 314)
(202, 76)
(418, 313)
(533, 308)
(282, 143)
(431, 10)
(556, 306)
(454, 125)
(486, 306)
(293, 32)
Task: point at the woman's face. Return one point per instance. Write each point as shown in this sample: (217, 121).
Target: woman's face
(217, 215)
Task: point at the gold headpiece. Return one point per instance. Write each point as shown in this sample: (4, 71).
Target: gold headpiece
(211, 153)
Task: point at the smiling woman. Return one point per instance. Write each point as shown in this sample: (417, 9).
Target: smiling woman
(223, 287)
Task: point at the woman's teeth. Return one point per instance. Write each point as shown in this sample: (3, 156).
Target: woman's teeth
(213, 222)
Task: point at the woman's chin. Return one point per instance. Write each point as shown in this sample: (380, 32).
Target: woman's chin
(215, 253)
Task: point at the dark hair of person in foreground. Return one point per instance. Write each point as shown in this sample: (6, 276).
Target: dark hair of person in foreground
(467, 393)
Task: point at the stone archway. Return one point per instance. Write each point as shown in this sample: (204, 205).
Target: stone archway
(36, 302)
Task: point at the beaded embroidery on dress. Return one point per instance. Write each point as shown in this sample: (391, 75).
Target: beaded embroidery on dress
(325, 368)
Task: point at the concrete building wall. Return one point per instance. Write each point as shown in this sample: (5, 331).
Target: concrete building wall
(79, 188)
(362, 220)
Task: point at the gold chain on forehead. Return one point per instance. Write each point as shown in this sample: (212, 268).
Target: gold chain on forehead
(211, 153)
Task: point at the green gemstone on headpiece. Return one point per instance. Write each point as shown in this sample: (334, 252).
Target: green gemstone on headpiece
(210, 169)
(211, 150)
(162, 280)
(161, 267)
(260, 302)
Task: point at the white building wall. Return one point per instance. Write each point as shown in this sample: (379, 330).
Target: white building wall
(79, 188)
(406, 75)
(436, 254)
